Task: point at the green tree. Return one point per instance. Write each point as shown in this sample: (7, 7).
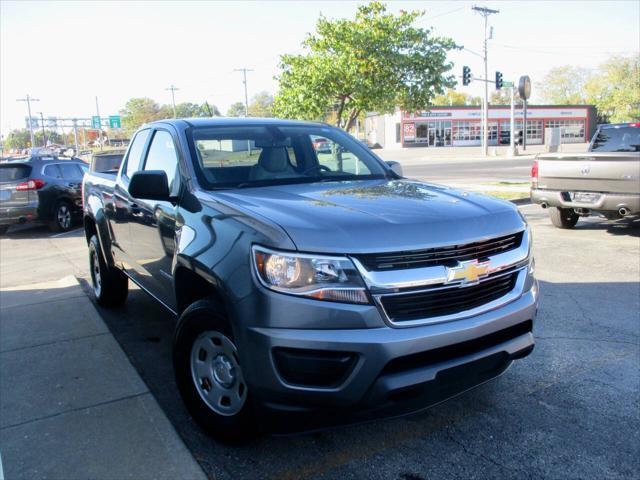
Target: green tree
(51, 136)
(564, 85)
(261, 105)
(210, 110)
(236, 110)
(451, 97)
(19, 138)
(138, 111)
(375, 62)
(615, 89)
(503, 97)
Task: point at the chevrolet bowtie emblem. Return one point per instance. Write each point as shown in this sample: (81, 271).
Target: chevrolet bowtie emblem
(468, 272)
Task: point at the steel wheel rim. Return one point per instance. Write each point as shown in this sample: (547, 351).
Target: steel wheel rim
(96, 277)
(64, 216)
(216, 373)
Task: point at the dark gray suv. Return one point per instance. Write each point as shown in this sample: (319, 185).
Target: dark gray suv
(41, 188)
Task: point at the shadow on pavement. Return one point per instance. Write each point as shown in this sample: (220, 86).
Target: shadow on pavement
(556, 413)
(38, 231)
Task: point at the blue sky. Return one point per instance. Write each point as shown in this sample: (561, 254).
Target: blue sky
(66, 53)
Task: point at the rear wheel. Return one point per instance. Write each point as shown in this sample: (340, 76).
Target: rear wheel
(563, 217)
(62, 218)
(209, 375)
(110, 285)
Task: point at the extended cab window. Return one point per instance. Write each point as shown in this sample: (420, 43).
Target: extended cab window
(162, 156)
(135, 152)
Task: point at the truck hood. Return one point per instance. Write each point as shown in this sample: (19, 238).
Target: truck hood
(377, 215)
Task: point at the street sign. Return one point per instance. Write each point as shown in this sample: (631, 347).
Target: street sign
(114, 121)
(95, 122)
(507, 84)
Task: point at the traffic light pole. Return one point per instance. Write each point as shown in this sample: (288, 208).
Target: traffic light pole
(512, 141)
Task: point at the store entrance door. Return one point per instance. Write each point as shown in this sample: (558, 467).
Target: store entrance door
(440, 133)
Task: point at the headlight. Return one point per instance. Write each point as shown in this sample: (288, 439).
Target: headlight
(323, 278)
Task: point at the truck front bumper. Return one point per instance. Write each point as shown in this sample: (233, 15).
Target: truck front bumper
(313, 378)
(606, 202)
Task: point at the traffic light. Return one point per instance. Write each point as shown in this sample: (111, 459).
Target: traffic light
(519, 137)
(499, 80)
(466, 75)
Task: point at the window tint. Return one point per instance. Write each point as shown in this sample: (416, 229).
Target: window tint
(52, 171)
(162, 156)
(135, 152)
(70, 171)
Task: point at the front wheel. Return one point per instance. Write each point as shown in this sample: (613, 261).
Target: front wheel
(110, 285)
(563, 217)
(209, 375)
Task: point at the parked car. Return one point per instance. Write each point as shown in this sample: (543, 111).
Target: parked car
(41, 188)
(605, 180)
(308, 295)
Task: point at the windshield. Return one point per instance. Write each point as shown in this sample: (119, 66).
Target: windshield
(617, 139)
(243, 156)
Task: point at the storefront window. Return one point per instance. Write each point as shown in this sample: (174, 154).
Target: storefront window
(572, 130)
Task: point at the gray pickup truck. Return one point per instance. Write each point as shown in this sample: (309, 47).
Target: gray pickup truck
(314, 285)
(605, 180)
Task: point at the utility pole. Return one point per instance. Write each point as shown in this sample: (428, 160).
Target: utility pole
(246, 96)
(485, 12)
(29, 99)
(44, 138)
(173, 89)
(100, 126)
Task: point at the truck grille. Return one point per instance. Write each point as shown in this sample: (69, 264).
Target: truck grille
(446, 301)
(440, 256)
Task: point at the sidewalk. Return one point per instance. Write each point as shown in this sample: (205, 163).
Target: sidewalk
(71, 404)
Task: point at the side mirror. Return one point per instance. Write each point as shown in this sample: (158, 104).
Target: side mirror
(149, 185)
(396, 167)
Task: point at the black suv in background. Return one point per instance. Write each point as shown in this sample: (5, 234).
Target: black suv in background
(41, 188)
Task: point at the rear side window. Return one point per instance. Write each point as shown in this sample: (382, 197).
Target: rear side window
(617, 139)
(52, 171)
(12, 173)
(135, 152)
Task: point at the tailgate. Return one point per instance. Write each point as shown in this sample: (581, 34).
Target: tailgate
(12, 175)
(590, 172)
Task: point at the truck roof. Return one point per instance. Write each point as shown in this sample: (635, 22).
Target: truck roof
(233, 121)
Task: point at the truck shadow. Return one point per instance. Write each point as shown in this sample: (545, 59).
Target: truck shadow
(547, 405)
(624, 226)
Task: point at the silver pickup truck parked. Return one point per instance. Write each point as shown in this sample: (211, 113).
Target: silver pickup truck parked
(605, 180)
(313, 284)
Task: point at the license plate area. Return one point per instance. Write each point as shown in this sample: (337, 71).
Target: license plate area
(584, 197)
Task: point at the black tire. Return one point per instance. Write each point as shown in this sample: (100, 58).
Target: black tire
(3, 229)
(199, 320)
(563, 217)
(62, 220)
(110, 285)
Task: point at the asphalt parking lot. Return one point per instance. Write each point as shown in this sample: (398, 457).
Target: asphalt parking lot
(570, 410)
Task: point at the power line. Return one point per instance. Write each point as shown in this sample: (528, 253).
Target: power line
(173, 88)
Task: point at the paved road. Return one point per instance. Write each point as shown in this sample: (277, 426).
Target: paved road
(570, 410)
(471, 172)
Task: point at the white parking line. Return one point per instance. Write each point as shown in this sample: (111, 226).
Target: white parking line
(64, 233)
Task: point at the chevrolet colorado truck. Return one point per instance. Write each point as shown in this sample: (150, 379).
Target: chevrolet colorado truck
(605, 180)
(312, 286)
